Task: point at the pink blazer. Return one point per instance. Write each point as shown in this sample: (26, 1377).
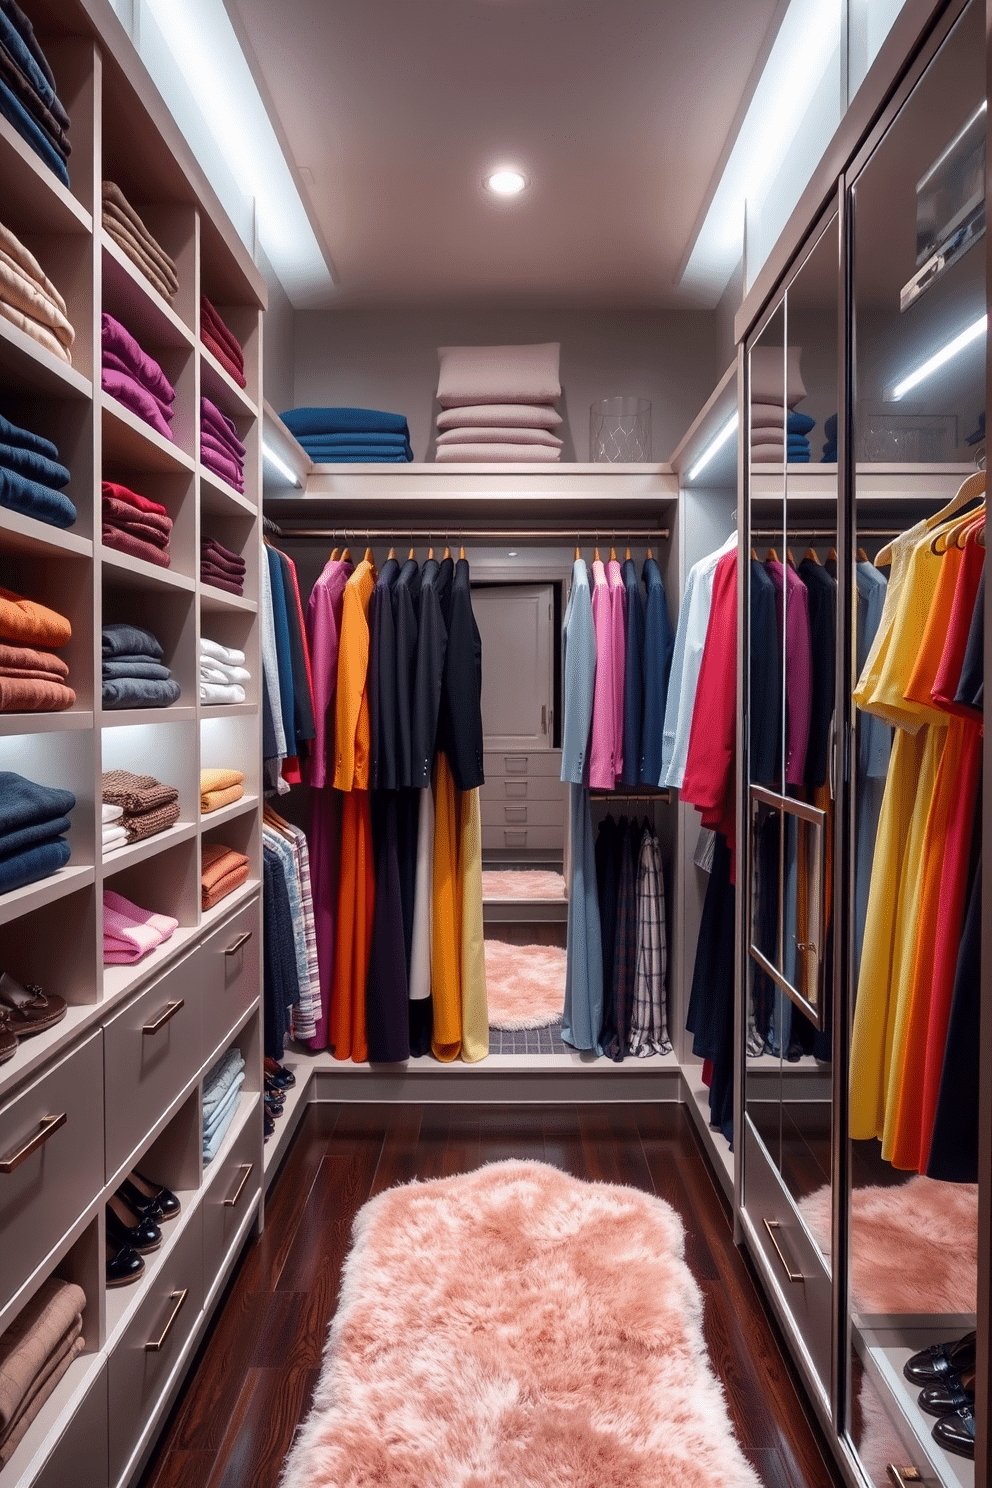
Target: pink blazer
(605, 751)
(618, 633)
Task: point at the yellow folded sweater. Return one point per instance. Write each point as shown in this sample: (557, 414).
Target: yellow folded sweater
(219, 788)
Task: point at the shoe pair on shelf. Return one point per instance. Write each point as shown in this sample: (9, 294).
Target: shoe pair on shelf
(280, 1077)
(24, 1011)
(946, 1372)
(134, 1214)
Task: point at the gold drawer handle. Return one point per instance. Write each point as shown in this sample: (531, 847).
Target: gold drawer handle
(232, 950)
(901, 1476)
(771, 1225)
(169, 1011)
(49, 1124)
(246, 1169)
(155, 1345)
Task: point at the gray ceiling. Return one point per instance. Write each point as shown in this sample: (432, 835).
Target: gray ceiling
(618, 110)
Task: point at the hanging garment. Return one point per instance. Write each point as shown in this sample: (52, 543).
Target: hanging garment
(284, 656)
(475, 1004)
(421, 953)
(303, 1013)
(273, 730)
(953, 1155)
(798, 665)
(432, 648)
(874, 748)
(446, 927)
(690, 638)
(708, 778)
(603, 745)
(710, 1017)
(609, 855)
(659, 643)
(406, 610)
(382, 679)
(579, 673)
(765, 681)
(821, 594)
(618, 629)
(624, 945)
(649, 1015)
(304, 729)
(459, 726)
(634, 663)
(583, 1015)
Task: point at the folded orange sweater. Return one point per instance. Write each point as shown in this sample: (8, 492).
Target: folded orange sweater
(222, 871)
(30, 623)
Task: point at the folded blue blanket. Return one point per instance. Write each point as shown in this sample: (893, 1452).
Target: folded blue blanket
(35, 863)
(797, 458)
(343, 421)
(389, 438)
(139, 692)
(798, 443)
(33, 836)
(25, 802)
(16, 114)
(121, 639)
(136, 666)
(212, 1143)
(18, 46)
(31, 499)
(36, 467)
(222, 1111)
(358, 452)
(364, 459)
(799, 423)
(218, 1080)
(26, 439)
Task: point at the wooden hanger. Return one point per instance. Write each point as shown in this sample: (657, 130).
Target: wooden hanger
(390, 554)
(832, 555)
(811, 555)
(649, 554)
(578, 553)
(754, 555)
(447, 552)
(771, 556)
(368, 556)
(276, 822)
(430, 552)
(613, 555)
(461, 554)
(627, 553)
(411, 556)
(345, 555)
(969, 490)
(595, 555)
(334, 554)
(790, 560)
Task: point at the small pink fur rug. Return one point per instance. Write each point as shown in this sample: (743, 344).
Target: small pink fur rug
(525, 984)
(521, 883)
(515, 1327)
(914, 1247)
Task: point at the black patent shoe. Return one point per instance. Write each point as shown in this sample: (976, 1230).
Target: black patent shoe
(269, 1126)
(933, 1365)
(124, 1227)
(149, 1199)
(279, 1074)
(124, 1265)
(955, 1393)
(957, 1433)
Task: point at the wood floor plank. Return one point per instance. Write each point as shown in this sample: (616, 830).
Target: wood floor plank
(262, 1427)
(182, 1469)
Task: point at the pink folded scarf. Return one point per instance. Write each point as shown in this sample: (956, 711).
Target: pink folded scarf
(129, 932)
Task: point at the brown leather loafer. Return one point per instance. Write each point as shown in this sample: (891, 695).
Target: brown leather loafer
(28, 1010)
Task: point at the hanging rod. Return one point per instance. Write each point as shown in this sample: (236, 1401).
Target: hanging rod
(786, 535)
(664, 796)
(442, 529)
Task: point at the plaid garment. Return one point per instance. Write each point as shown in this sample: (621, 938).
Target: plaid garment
(304, 1014)
(625, 942)
(649, 1019)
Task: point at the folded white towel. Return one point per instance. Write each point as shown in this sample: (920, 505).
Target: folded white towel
(113, 837)
(112, 813)
(226, 654)
(216, 692)
(216, 671)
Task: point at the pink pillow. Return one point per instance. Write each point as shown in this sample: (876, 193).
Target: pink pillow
(498, 374)
(499, 436)
(496, 453)
(500, 415)
(766, 375)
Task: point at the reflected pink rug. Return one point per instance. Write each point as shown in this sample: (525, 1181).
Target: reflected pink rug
(525, 984)
(521, 883)
(517, 1328)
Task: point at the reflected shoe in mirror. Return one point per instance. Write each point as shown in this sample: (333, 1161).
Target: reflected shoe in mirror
(955, 1393)
(124, 1265)
(941, 1360)
(148, 1198)
(27, 1009)
(124, 1227)
(8, 1040)
(957, 1433)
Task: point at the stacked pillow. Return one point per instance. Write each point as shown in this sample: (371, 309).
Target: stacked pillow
(32, 679)
(136, 525)
(134, 672)
(29, 299)
(122, 223)
(31, 478)
(772, 386)
(134, 378)
(220, 448)
(27, 91)
(350, 436)
(498, 403)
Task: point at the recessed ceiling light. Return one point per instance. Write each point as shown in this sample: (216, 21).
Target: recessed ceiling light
(506, 181)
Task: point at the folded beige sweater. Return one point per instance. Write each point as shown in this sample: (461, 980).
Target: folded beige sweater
(32, 1338)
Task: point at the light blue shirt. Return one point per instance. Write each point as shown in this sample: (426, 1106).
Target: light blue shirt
(579, 672)
(690, 638)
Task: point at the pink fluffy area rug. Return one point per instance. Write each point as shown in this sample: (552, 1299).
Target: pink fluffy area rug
(525, 984)
(517, 1328)
(914, 1246)
(521, 883)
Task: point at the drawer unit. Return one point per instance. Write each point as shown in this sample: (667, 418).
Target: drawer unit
(534, 762)
(233, 1189)
(523, 814)
(547, 839)
(51, 1160)
(152, 1050)
(81, 1458)
(523, 788)
(229, 975)
(144, 1360)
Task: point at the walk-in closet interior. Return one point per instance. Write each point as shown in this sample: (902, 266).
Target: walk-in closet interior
(626, 779)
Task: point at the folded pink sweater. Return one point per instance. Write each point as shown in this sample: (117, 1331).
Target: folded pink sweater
(130, 932)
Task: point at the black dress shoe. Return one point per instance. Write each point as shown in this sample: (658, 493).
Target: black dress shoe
(269, 1126)
(955, 1393)
(124, 1227)
(148, 1198)
(934, 1364)
(957, 1433)
(279, 1074)
(124, 1265)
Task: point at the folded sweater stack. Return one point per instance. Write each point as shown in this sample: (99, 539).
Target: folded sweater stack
(136, 525)
(222, 871)
(122, 223)
(114, 830)
(32, 822)
(28, 99)
(32, 678)
(31, 478)
(29, 299)
(220, 448)
(222, 673)
(130, 933)
(147, 806)
(134, 378)
(830, 440)
(350, 436)
(219, 787)
(776, 385)
(221, 343)
(35, 1352)
(221, 1087)
(221, 567)
(134, 674)
(498, 403)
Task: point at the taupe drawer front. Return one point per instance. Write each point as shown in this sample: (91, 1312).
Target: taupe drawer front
(144, 1359)
(229, 974)
(523, 788)
(229, 1198)
(522, 837)
(535, 762)
(523, 814)
(80, 1459)
(51, 1160)
(152, 1049)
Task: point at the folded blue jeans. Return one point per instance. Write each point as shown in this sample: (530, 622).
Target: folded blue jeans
(17, 115)
(23, 802)
(34, 465)
(30, 498)
(37, 862)
(32, 836)
(26, 439)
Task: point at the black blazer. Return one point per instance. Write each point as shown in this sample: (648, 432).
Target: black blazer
(406, 611)
(432, 647)
(460, 722)
(382, 679)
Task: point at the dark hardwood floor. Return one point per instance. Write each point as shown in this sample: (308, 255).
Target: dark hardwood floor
(253, 1379)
